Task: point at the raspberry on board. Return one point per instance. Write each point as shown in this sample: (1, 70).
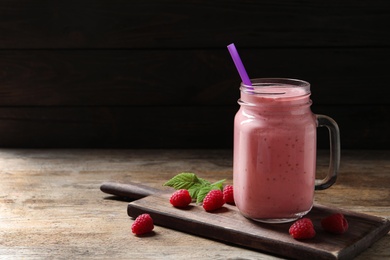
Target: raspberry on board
(228, 194)
(335, 223)
(180, 198)
(142, 224)
(213, 200)
(302, 229)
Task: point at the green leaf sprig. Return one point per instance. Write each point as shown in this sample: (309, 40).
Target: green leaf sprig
(197, 187)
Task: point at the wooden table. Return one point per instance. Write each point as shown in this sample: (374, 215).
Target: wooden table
(51, 205)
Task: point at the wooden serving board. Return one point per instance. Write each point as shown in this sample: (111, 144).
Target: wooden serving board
(229, 226)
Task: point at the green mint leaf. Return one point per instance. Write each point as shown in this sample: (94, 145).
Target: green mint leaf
(218, 184)
(183, 180)
(202, 193)
(204, 182)
(194, 190)
(197, 187)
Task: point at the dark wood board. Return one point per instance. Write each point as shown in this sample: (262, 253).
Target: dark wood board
(191, 24)
(98, 60)
(195, 77)
(229, 226)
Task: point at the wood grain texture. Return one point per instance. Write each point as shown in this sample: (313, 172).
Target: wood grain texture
(132, 191)
(51, 205)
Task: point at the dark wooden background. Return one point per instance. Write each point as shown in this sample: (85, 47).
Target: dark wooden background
(157, 74)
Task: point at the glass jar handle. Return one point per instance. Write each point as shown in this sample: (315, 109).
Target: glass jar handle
(334, 163)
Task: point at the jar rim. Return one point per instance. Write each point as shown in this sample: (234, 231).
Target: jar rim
(275, 86)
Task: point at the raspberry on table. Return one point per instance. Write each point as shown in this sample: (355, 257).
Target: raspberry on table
(213, 200)
(142, 224)
(228, 194)
(302, 229)
(180, 198)
(335, 223)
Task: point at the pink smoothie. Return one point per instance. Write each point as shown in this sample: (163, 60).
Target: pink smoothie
(274, 154)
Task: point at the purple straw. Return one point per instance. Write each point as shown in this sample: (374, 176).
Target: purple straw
(240, 67)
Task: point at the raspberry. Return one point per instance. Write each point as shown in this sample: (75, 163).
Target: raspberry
(180, 198)
(335, 223)
(302, 229)
(228, 194)
(142, 224)
(213, 200)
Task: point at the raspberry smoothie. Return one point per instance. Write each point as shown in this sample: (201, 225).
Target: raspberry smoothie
(274, 152)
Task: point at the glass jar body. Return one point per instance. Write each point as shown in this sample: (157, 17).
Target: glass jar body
(274, 153)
